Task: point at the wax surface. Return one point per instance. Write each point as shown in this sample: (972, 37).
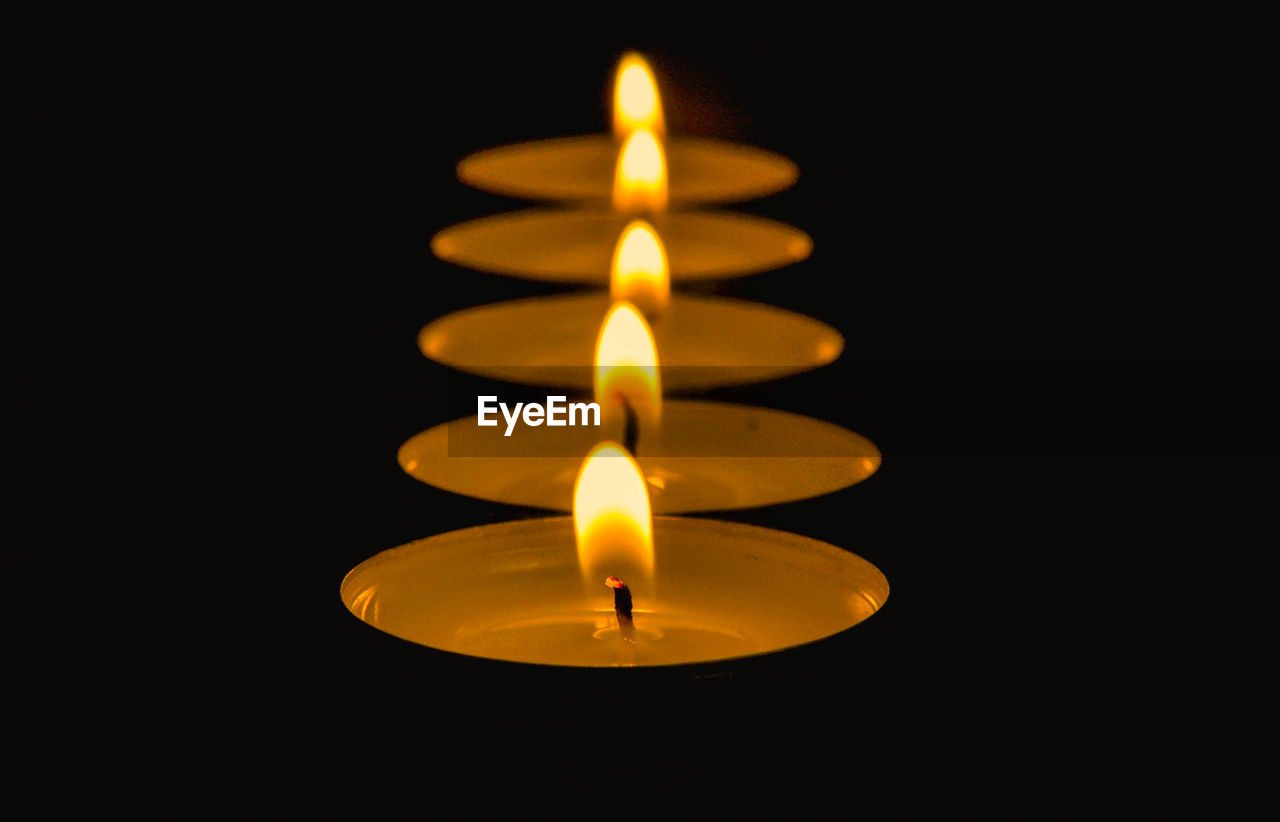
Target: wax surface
(577, 245)
(705, 456)
(514, 591)
(701, 341)
(583, 168)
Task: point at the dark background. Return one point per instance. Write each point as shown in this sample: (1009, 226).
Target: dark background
(1041, 338)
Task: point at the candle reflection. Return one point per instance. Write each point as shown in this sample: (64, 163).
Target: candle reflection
(582, 168)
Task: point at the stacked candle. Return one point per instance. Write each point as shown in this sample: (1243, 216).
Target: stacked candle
(628, 221)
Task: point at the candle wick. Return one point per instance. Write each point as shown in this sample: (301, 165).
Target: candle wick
(622, 608)
(631, 429)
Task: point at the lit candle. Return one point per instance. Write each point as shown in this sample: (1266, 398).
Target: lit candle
(702, 589)
(705, 341)
(582, 168)
(706, 456)
(576, 245)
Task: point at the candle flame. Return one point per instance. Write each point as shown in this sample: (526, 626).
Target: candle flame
(639, 272)
(627, 366)
(612, 519)
(640, 181)
(635, 98)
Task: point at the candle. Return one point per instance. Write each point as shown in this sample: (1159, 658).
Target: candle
(705, 341)
(705, 456)
(582, 168)
(613, 585)
(513, 591)
(576, 245)
(532, 591)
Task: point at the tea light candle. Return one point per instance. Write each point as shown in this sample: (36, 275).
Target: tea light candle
(513, 591)
(704, 456)
(522, 592)
(704, 341)
(582, 168)
(576, 245)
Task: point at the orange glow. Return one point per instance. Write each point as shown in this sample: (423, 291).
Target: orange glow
(627, 366)
(636, 103)
(640, 180)
(614, 582)
(611, 516)
(639, 272)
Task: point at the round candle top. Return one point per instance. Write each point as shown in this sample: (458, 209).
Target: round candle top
(699, 170)
(578, 245)
(704, 456)
(701, 341)
(514, 591)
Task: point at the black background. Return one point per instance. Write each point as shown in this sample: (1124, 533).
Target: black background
(1040, 339)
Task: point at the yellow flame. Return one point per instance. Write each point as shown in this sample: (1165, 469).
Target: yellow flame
(627, 366)
(612, 519)
(639, 272)
(640, 181)
(636, 103)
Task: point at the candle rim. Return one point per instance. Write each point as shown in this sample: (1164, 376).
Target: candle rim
(661, 523)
